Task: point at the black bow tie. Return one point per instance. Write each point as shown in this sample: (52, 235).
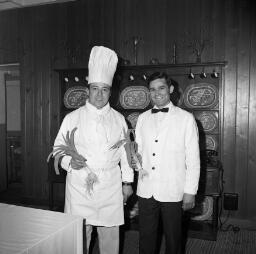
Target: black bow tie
(156, 110)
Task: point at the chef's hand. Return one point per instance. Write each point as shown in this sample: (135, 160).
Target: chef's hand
(77, 163)
(188, 201)
(127, 192)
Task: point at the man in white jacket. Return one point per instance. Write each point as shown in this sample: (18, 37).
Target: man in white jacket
(167, 139)
(99, 130)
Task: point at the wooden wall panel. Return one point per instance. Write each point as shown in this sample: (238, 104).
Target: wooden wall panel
(28, 74)
(9, 37)
(175, 24)
(243, 89)
(218, 33)
(60, 36)
(230, 90)
(189, 28)
(3, 177)
(120, 29)
(251, 157)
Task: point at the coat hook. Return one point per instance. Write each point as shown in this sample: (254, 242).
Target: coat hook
(191, 75)
(214, 74)
(203, 74)
(131, 77)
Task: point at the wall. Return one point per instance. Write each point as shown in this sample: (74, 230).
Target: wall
(3, 180)
(61, 35)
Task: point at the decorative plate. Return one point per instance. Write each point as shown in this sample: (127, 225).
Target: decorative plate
(208, 120)
(132, 118)
(201, 95)
(211, 142)
(75, 97)
(134, 97)
(204, 208)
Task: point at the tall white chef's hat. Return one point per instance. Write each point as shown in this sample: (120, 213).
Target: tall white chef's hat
(102, 65)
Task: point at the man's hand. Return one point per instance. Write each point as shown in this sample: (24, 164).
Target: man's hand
(134, 163)
(78, 163)
(127, 192)
(188, 201)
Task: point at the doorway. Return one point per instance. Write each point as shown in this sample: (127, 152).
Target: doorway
(10, 128)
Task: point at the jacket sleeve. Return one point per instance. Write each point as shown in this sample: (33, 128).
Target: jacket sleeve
(138, 135)
(192, 156)
(65, 162)
(127, 171)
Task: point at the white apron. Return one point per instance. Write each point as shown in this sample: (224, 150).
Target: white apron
(104, 207)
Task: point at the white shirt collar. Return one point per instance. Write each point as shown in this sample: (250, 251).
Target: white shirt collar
(94, 110)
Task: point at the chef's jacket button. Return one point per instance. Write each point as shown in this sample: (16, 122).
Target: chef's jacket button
(156, 140)
(154, 154)
(153, 168)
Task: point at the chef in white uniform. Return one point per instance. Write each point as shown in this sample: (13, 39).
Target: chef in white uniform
(99, 128)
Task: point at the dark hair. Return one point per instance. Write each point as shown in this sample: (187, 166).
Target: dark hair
(159, 75)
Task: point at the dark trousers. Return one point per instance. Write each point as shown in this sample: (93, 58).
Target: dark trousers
(149, 213)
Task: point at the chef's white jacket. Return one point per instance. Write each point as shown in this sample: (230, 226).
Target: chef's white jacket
(168, 144)
(97, 130)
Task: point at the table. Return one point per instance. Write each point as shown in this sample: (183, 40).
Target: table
(33, 231)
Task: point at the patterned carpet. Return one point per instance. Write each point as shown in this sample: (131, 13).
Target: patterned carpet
(242, 242)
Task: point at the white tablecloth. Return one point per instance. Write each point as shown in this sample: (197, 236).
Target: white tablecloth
(34, 231)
